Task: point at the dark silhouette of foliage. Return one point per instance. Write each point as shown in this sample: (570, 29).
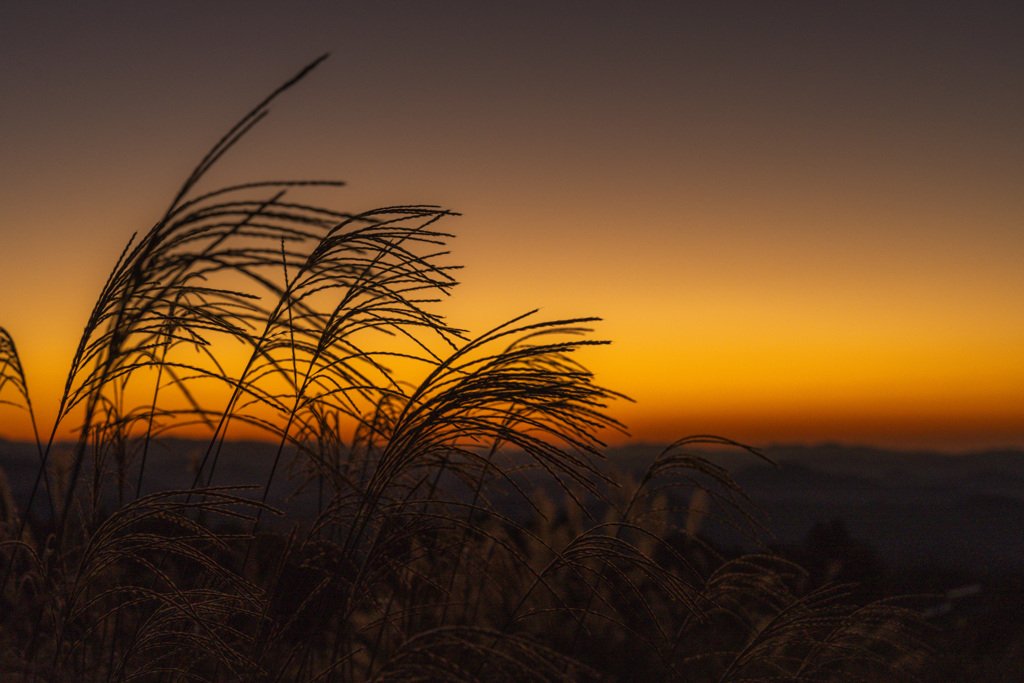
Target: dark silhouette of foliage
(408, 569)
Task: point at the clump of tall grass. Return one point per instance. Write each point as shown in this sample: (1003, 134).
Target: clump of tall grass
(412, 566)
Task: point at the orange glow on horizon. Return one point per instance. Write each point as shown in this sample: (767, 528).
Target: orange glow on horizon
(754, 392)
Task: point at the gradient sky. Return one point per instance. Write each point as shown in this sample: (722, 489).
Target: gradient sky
(799, 221)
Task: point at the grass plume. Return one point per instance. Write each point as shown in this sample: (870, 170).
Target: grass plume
(412, 566)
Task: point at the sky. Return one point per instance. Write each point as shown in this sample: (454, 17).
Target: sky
(799, 222)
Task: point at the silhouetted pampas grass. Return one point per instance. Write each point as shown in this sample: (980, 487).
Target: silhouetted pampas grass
(412, 566)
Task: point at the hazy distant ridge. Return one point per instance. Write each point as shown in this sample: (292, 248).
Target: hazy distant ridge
(916, 507)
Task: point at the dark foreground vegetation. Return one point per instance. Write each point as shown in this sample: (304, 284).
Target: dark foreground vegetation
(408, 568)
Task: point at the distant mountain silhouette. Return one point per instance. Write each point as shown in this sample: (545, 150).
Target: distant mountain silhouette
(961, 512)
(958, 512)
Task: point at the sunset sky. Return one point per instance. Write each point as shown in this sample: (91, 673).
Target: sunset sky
(799, 221)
